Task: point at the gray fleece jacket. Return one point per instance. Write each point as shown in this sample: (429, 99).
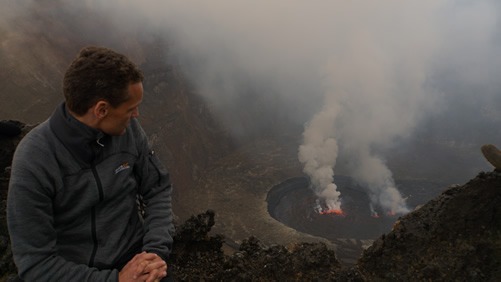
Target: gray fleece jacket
(71, 207)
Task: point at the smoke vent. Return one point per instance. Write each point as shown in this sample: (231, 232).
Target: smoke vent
(294, 204)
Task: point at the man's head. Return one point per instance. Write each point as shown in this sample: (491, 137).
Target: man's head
(103, 89)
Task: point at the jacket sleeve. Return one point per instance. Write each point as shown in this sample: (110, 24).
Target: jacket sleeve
(155, 189)
(31, 222)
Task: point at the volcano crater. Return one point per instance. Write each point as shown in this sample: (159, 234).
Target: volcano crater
(294, 204)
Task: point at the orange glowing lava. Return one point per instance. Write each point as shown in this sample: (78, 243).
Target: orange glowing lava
(333, 211)
(391, 213)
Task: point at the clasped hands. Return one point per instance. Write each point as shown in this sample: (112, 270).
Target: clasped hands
(148, 267)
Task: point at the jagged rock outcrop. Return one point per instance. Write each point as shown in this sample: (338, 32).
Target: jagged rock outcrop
(199, 257)
(11, 132)
(456, 236)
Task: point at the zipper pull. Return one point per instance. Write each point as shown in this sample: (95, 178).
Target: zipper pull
(99, 143)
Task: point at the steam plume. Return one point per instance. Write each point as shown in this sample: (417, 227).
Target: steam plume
(318, 154)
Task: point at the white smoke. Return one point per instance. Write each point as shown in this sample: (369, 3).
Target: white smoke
(377, 78)
(318, 154)
(374, 174)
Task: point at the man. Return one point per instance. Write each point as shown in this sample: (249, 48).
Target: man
(72, 206)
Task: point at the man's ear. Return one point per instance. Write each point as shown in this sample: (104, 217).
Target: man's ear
(101, 109)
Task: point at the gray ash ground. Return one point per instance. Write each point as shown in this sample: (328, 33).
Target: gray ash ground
(293, 203)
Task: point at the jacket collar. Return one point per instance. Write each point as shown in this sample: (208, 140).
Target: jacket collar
(81, 140)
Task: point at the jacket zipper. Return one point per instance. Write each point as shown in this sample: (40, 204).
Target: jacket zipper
(93, 216)
(150, 157)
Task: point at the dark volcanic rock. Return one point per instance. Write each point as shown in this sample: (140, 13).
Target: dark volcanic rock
(196, 256)
(11, 132)
(199, 257)
(303, 262)
(456, 236)
(10, 128)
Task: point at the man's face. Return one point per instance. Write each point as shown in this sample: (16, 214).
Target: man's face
(117, 119)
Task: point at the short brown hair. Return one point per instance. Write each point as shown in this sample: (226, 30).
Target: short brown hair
(98, 73)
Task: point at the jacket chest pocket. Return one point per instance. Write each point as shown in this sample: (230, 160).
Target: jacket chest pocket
(117, 177)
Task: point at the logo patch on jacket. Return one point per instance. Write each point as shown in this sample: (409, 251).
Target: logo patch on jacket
(123, 166)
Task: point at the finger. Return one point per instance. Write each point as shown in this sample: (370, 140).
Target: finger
(161, 265)
(155, 275)
(148, 256)
(141, 269)
(158, 260)
(142, 277)
(137, 257)
(151, 277)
